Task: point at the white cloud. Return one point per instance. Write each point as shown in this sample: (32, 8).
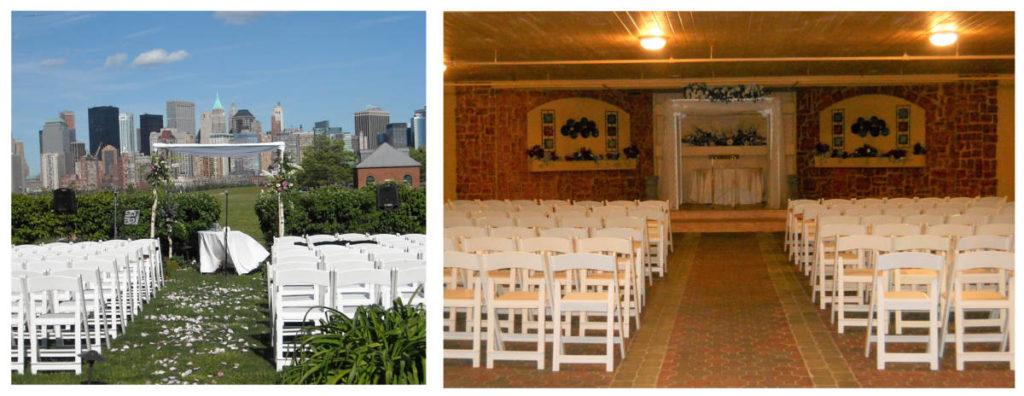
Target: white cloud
(158, 57)
(115, 60)
(238, 17)
(142, 33)
(52, 62)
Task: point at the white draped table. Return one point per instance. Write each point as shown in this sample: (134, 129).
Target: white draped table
(246, 254)
(727, 186)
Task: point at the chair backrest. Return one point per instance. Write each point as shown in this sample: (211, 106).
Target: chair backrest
(989, 201)
(588, 204)
(394, 256)
(409, 277)
(619, 246)
(836, 201)
(532, 210)
(880, 219)
(402, 264)
(348, 265)
(565, 232)
(536, 221)
(1005, 217)
(555, 202)
(901, 260)
(960, 200)
(924, 219)
(496, 204)
(863, 211)
(457, 221)
(492, 213)
(984, 242)
(488, 245)
(465, 232)
(320, 238)
(931, 201)
(583, 261)
(622, 202)
(580, 222)
(950, 230)
(647, 213)
(899, 201)
(814, 212)
(353, 237)
(869, 201)
(943, 210)
(513, 232)
(895, 229)
(967, 219)
(494, 221)
(841, 229)
(578, 211)
(515, 202)
(608, 211)
(933, 243)
(296, 263)
(982, 210)
(661, 205)
(984, 259)
(302, 277)
(624, 221)
(842, 207)
(546, 245)
(823, 220)
(48, 265)
(911, 210)
(462, 260)
(994, 229)
(864, 242)
(512, 260)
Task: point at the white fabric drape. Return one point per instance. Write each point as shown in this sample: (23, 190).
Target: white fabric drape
(221, 149)
(246, 254)
(726, 186)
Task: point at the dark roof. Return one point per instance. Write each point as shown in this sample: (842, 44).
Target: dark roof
(386, 156)
(243, 113)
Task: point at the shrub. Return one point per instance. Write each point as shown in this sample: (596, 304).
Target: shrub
(33, 220)
(331, 210)
(375, 346)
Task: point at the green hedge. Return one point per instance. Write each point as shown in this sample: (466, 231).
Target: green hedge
(33, 220)
(329, 210)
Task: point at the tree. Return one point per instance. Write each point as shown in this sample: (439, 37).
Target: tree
(326, 163)
(420, 155)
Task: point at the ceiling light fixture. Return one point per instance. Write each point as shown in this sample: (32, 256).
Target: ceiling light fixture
(943, 36)
(652, 43)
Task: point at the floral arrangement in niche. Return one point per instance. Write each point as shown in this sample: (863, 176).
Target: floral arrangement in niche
(724, 93)
(631, 152)
(874, 126)
(741, 137)
(582, 128)
(536, 153)
(821, 149)
(919, 149)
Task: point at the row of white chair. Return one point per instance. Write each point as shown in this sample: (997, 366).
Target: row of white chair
(551, 278)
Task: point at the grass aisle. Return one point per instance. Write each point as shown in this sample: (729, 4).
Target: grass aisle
(200, 329)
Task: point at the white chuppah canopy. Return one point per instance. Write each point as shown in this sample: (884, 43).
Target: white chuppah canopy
(221, 149)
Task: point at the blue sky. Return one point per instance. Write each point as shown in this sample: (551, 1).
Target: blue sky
(319, 65)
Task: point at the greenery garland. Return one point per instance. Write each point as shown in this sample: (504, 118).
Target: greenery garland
(724, 93)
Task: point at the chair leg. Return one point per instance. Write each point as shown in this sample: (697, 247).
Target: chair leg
(959, 337)
(541, 344)
(883, 318)
(609, 347)
(556, 340)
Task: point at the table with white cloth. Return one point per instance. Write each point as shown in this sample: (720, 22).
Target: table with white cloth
(245, 253)
(727, 186)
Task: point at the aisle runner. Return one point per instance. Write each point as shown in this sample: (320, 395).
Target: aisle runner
(731, 330)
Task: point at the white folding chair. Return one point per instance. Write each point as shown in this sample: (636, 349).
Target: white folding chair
(823, 273)
(603, 300)
(293, 312)
(536, 222)
(895, 229)
(589, 204)
(855, 274)
(511, 300)
(986, 211)
(1002, 300)
(465, 232)
(1002, 229)
(19, 323)
(95, 304)
(494, 221)
(989, 201)
(457, 221)
(466, 295)
(607, 211)
(408, 284)
(564, 232)
(873, 220)
(1005, 217)
(51, 326)
(967, 219)
(924, 220)
(581, 222)
(513, 232)
(628, 281)
(894, 299)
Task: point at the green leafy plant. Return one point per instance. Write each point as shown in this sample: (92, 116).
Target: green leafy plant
(375, 346)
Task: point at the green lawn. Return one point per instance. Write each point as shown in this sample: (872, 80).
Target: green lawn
(241, 210)
(207, 329)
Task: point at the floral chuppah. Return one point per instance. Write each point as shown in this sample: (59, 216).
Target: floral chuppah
(281, 180)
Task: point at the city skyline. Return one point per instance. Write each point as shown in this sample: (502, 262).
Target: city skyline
(138, 61)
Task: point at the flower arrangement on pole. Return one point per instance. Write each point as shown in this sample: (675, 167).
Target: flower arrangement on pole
(280, 176)
(159, 175)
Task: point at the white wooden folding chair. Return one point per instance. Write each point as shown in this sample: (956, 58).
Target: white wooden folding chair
(511, 300)
(1002, 229)
(457, 221)
(912, 279)
(944, 210)
(607, 211)
(536, 222)
(628, 279)
(889, 298)
(962, 201)
(873, 220)
(657, 234)
(970, 219)
(1004, 217)
(931, 201)
(292, 312)
(990, 201)
(581, 222)
(465, 232)
(600, 300)
(899, 201)
(467, 295)
(986, 211)
(52, 326)
(1002, 300)
(494, 221)
(589, 204)
(793, 208)
(895, 229)
(823, 274)
(19, 323)
(863, 211)
(547, 246)
(565, 232)
(855, 275)
(95, 304)
(408, 284)
(864, 202)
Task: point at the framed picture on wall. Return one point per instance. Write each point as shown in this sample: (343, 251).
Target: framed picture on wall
(837, 142)
(613, 144)
(549, 143)
(903, 139)
(903, 126)
(837, 129)
(837, 115)
(549, 130)
(613, 131)
(548, 117)
(612, 118)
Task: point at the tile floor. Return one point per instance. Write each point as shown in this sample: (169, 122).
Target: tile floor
(732, 312)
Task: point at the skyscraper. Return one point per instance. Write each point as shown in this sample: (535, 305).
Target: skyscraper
(397, 134)
(181, 115)
(148, 123)
(212, 122)
(418, 126)
(51, 170)
(55, 138)
(126, 129)
(242, 122)
(69, 119)
(277, 119)
(103, 127)
(370, 124)
(19, 167)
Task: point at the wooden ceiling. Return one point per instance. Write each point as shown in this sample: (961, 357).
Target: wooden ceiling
(519, 46)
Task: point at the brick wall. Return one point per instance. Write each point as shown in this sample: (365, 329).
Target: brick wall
(960, 134)
(491, 162)
(382, 174)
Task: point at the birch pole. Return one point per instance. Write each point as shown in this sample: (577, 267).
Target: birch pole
(152, 215)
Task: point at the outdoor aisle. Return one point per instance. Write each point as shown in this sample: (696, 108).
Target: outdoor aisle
(200, 329)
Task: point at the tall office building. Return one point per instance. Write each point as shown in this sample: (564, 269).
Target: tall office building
(103, 127)
(370, 124)
(55, 138)
(231, 114)
(148, 123)
(19, 167)
(52, 170)
(321, 127)
(212, 122)
(243, 121)
(418, 128)
(69, 119)
(77, 151)
(113, 175)
(277, 119)
(398, 134)
(126, 128)
(181, 115)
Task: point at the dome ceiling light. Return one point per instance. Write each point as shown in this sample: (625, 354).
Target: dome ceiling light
(943, 35)
(653, 39)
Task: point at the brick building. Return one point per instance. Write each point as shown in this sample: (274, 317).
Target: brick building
(387, 163)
